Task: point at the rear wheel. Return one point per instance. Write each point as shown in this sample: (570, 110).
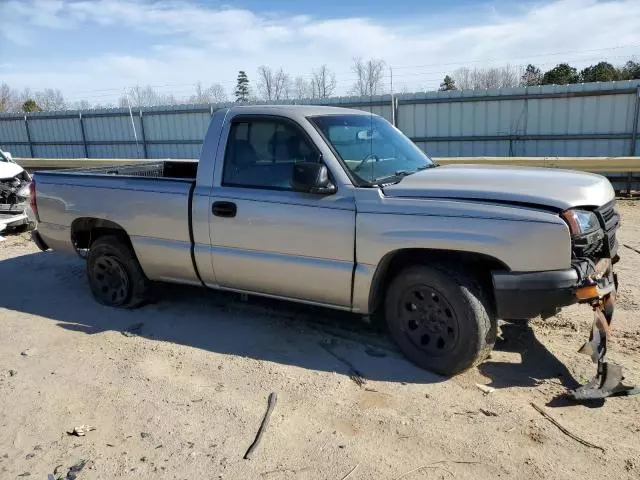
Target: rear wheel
(439, 318)
(115, 276)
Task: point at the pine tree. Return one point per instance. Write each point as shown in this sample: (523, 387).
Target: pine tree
(601, 72)
(562, 74)
(448, 84)
(30, 105)
(242, 87)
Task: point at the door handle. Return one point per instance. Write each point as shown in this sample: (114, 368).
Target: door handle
(224, 209)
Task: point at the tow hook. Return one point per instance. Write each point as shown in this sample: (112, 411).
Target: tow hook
(599, 291)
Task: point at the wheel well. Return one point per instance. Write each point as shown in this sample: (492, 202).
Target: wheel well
(479, 265)
(85, 231)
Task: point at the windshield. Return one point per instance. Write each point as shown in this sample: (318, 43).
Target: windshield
(2, 157)
(371, 148)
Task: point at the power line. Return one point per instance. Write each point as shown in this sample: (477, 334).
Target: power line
(569, 52)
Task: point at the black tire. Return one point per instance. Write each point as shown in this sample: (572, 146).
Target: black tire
(440, 319)
(115, 276)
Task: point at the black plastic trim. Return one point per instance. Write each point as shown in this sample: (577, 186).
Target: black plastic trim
(37, 239)
(191, 236)
(527, 295)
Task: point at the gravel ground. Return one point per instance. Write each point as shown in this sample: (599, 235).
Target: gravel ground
(183, 396)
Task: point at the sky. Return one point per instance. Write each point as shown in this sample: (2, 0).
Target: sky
(93, 50)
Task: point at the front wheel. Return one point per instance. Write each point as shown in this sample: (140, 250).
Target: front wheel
(440, 319)
(115, 276)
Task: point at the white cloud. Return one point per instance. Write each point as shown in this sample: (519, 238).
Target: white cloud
(189, 42)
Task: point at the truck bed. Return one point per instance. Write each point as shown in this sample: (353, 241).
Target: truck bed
(185, 170)
(150, 201)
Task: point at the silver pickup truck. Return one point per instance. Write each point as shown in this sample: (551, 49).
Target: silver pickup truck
(336, 207)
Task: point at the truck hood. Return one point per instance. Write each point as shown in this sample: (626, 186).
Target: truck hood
(9, 170)
(547, 187)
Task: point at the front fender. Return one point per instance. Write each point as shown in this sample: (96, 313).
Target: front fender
(521, 246)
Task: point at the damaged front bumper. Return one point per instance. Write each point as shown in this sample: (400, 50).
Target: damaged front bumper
(522, 296)
(13, 216)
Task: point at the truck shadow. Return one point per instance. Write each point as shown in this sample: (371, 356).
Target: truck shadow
(54, 286)
(537, 362)
(537, 366)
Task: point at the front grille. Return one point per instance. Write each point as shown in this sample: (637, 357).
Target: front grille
(610, 222)
(608, 216)
(601, 243)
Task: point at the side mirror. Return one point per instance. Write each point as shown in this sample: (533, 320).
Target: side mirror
(311, 178)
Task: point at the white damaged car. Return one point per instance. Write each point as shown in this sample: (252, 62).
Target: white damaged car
(14, 193)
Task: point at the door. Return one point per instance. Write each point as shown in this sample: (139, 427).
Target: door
(265, 237)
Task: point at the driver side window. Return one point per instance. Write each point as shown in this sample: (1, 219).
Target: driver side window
(261, 153)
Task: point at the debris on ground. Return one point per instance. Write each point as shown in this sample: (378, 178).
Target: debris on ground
(82, 430)
(29, 352)
(350, 472)
(12, 372)
(273, 397)
(485, 388)
(353, 372)
(59, 473)
(73, 472)
(144, 434)
(564, 430)
(488, 413)
(133, 330)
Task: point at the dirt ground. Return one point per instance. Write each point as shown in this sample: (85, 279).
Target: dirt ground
(184, 396)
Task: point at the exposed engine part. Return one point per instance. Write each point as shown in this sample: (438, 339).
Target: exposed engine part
(599, 291)
(15, 190)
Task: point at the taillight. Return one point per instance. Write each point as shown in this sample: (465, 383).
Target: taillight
(32, 199)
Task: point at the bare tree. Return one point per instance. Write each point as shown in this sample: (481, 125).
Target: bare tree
(8, 99)
(81, 105)
(482, 78)
(369, 75)
(303, 88)
(214, 94)
(324, 82)
(273, 85)
(50, 100)
(145, 97)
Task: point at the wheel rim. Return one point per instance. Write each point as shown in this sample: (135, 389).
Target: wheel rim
(428, 320)
(111, 280)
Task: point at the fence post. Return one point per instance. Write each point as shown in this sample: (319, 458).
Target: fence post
(393, 109)
(634, 138)
(143, 136)
(84, 136)
(634, 130)
(26, 126)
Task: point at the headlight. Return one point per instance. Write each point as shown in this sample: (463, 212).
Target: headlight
(580, 221)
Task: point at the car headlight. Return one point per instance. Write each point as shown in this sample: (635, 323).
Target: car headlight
(580, 221)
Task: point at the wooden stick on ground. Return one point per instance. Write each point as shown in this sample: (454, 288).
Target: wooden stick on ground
(272, 403)
(350, 472)
(564, 430)
(425, 467)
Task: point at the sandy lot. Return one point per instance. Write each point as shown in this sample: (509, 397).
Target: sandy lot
(185, 396)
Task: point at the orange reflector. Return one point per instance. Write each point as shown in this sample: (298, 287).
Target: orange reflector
(585, 293)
